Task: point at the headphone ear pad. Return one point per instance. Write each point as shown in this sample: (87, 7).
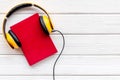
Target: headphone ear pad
(46, 24)
(13, 38)
(43, 25)
(11, 41)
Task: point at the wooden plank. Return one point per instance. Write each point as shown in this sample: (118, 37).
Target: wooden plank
(78, 44)
(67, 65)
(60, 77)
(66, 6)
(77, 24)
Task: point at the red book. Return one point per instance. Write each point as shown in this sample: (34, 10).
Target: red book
(36, 44)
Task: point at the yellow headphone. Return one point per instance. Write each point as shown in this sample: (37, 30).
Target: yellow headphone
(45, 21)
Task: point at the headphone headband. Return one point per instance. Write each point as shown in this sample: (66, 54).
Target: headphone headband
(20, 6)
(14, 9)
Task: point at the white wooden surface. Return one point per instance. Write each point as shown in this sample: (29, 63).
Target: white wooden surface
(92, 32)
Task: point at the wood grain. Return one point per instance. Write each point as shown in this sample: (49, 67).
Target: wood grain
(67, 65)
(72, 6)
(76, 24)
(78, 44)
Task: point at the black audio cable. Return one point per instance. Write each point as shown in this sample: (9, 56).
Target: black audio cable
(54, 66)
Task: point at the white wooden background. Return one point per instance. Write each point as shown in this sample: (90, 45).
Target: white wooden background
(92, 32)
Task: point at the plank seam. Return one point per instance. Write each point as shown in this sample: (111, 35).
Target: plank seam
(66, 75)
(70, 13)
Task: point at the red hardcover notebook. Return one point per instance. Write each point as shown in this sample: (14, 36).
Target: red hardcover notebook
(36, 44)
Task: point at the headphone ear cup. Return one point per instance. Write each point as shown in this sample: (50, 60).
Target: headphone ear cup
(46, 24)
(11, 41)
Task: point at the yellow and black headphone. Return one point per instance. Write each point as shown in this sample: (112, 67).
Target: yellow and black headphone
(45, 21)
